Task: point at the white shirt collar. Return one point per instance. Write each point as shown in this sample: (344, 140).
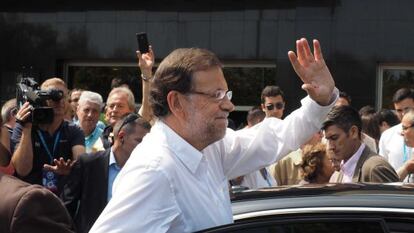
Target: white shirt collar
(186, 153)
(112, 159)
(348, 168)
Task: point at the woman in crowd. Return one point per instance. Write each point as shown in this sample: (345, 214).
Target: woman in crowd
(316, 166)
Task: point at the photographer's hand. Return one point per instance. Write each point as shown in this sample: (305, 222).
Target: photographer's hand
(23, 114)
(61, 166)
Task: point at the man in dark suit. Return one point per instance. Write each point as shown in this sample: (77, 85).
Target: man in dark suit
(89, 185)
(30, 208)
(359, 164)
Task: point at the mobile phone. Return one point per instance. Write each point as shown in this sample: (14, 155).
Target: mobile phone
(143, 45)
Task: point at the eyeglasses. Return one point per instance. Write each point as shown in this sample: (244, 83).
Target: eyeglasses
(217, 95)
(128, 119)
(404, 128)
(278, 105)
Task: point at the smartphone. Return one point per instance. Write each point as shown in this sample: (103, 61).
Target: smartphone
(143, 45)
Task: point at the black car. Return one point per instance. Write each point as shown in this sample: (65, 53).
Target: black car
(330, 208)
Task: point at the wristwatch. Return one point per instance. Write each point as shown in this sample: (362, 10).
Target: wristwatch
(145, 78)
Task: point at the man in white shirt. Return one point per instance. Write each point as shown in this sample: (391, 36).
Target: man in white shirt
(176, 179)
(359, 164)
(391, 144)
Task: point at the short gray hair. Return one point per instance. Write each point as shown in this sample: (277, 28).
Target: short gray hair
(90, 96)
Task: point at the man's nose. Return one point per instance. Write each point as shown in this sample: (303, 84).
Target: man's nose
(227, 105)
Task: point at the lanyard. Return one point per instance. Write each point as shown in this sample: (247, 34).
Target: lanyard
(265, 175)
(406, 152)
(45, 145)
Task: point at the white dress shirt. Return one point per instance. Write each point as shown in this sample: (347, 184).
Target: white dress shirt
(393, 148)
(169, 186)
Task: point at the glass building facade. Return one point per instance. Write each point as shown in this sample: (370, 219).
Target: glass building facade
(367, 44)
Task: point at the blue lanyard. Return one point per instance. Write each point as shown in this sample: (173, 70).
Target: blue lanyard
(45, 145)
(405, 158)
(265, 175)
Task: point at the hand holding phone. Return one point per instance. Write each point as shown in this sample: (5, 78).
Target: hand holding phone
(143, 45)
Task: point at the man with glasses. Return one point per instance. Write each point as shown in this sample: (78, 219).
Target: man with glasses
(177, 179)
(407, 131)
(273, 105)
(273, 101)
(391, 145)
(121, 100)
(89, 185)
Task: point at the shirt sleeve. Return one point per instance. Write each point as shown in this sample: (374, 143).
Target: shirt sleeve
(269, 141)
(77, 137)
(152, 192)
(15, 137)
(382, 145)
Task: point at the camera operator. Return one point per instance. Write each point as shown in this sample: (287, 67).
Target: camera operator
(45, 151)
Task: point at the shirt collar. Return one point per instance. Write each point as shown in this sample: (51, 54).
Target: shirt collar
(186, 153)
(93, 134)
(348, 168)
(112, 160)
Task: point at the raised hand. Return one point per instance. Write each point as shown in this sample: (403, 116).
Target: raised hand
(61, 166)
(312, 70)
(146, 62)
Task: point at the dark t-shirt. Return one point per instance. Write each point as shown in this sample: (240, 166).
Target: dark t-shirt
(70, 135)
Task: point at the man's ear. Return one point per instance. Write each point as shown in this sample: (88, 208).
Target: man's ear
(263, 107)
(121, 136)
(175, 103)
(354, 132)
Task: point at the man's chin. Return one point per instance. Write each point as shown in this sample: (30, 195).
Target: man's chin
(113, 121)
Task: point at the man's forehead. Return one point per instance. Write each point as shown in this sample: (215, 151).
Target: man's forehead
(57, 86)
(212, 78)
(76, 93)
(117, 97)
(276, 98)
(404, 104)
(332, 130)
(89, 104)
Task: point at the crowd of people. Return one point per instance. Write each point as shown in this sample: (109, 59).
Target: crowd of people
(168, 166)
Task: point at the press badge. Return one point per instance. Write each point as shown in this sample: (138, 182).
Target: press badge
(50, 181)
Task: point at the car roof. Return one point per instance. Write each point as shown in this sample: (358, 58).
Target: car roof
(352, 197)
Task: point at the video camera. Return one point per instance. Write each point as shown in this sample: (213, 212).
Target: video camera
(28, 90)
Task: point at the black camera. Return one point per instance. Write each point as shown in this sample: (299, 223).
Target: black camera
(28, 90)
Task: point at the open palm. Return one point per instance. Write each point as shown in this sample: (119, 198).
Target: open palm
(312, 70)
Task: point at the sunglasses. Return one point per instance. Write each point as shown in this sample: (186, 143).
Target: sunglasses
(278, 105)
(131, 117)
